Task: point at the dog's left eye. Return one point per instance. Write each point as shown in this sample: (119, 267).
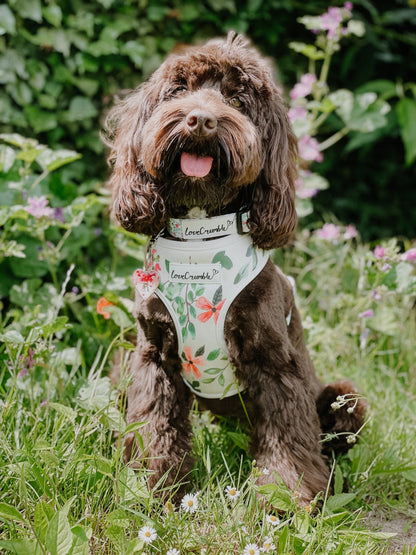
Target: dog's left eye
(180, 89)
(236, 102)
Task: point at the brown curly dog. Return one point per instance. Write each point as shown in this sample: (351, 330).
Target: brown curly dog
(204, 161)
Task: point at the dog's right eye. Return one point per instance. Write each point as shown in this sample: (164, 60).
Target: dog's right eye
(236, 102)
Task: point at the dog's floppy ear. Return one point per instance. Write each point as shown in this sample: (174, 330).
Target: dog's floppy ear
(273, 213)
(136, 203)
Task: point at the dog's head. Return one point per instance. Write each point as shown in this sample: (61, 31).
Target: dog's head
(207, 130)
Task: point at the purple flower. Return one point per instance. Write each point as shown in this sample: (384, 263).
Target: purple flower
(23, 372)
(302, 89)
(97, 231)
(366, 314)
(75, 290)
(58, 214)
(410, 255)
(329, 232)
(309, 149)
(350, 232)
(386, 267)
(44, 403)
(364, 337)
(379, 252)
(38, 207)
(376, 295)
(349, 6)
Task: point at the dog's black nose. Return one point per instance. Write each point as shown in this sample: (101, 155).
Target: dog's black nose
(201, 123)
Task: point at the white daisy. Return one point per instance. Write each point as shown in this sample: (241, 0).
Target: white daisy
(173, 552)
(147, 534)
(272, 519)
(232, 493)
(189, 503)
(268, 546)
(251, 549)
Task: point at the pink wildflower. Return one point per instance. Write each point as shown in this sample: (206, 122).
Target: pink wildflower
(350, 232)
(302, 89)
(376, 295)
(297, 112)
(410, 255)
(330, 21)
(329, 232)
(349, 6)
(366, 314)
(38, 207)
(379, 252)
(309, 149)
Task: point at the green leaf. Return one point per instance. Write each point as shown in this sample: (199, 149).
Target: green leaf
(213, 354)
(223, 259)
(339, 500)
(213, 371)
(42, 517)
(58, 538)
(241, 274)
(191, 329)
(30, 9)
(338, 480)
(80, 541)
(200, 351)
(22, 547)
(81, 108)
(52, 14)
(53, 159)
(7, 21)
(406, 115)
(8, 512)
(217, 296)
(308, 50)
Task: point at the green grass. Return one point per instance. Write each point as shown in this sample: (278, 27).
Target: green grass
(65, 490)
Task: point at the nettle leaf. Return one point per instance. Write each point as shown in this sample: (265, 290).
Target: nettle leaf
(406, 115)
(53, 159)
(80, 108)
(7, 21)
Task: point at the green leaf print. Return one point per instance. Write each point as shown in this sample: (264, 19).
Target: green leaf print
(241, 274)
(184, 334)
(217, 296)
(213, 354)
(167, 265)
(223, 259)
(191, 329)
(221, 380)
(212, 371)
(251, 252)
(200, 351)
(208, 380)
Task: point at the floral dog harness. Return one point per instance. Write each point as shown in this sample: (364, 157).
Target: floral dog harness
(197, 281)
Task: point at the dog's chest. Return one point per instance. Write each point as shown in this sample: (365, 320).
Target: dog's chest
(198, 281)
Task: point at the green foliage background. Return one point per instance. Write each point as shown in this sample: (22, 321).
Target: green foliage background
(62, 64)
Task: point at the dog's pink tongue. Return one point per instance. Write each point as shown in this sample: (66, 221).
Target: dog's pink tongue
(195, 166)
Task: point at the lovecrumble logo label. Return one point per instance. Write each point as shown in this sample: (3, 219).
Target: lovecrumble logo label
(195, 273)
(191, 231)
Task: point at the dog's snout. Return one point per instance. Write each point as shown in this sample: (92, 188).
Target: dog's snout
(201, 122)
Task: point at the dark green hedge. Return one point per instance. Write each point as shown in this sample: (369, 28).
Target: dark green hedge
(62, 63)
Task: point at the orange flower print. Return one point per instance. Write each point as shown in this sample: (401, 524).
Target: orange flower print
(101, 304)
(211, 310)
(192, 363)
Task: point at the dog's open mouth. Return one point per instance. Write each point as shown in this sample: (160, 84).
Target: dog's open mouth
(195, 166)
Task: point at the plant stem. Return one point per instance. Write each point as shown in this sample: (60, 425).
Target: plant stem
(334, 138)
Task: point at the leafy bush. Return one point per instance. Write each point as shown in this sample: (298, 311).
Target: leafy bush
(62, 64)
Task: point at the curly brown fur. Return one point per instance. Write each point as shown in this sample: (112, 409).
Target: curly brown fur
(219, 100)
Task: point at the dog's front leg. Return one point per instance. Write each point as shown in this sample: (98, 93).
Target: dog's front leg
(158, 397)
(268, 351)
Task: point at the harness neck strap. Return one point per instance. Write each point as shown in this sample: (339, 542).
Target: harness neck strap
(208, 228)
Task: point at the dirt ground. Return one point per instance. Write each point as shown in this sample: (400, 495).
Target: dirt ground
(403, 526)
